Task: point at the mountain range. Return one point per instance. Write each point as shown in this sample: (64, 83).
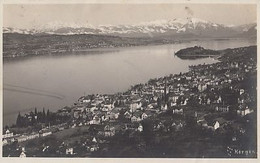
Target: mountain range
(189, 28)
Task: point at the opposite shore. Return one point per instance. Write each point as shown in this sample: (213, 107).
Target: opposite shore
(14, 47)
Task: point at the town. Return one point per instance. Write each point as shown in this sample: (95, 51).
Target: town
(208, 112)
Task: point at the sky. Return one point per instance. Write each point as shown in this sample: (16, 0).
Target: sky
(38, 15)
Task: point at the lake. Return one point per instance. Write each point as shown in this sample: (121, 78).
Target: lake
(53, 82)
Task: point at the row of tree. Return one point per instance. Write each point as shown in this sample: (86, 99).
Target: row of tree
(40, 117)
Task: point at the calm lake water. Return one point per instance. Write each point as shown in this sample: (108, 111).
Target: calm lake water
(53, 82)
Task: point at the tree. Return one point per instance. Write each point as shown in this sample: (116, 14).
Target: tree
(48, 113)
(195, 89)
(148, 131)
(43, 115)
(159, 101)
(6, 127)
(179, 100)
(35, 111)
(192, 101)
(19, 120)
(191, 124)
(117, 103)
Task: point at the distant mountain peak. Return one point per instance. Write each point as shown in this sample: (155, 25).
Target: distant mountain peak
(58, 24)
(156, 28)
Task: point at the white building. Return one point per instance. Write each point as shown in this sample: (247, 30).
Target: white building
(8, 134)
(23, 155)
(216, 125)
(140, 128)
(69, 151)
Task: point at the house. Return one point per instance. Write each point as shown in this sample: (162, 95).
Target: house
(248, 111)
(118, 127)
(147, 114)
(33, 136)
(94, 140)
(177, 111)
(74, 125)
(203, 123)
(234, 65)
(8, 134)
(202, 87)
(93, 108)
(155, 98)
(188, 78)
(109, 106)
(136, 117)
(105, 118)
(219, 100)
(94, 148)
(5, 142)
(219, 122)
(240, 100)
(76, 114)
(23, 155)
(44, 132)
(177, 125)
(244, 111)
(241, 91)
(144, 116)
(129, 126)
(158, 126)
(200, 99)
(104, 109)
(96, 120)
(69, 151)
(164, 107)
(173, 103)
(115, 113)
(109, 131)
(46, 148)
(86, 100)
(152, 105)
(184, 102)
(208, 101)
(174, 97)
(244, 98)
(140, 128)
(127, 115)
(134, 106)
(9, 140)
(216, 125)
(222, 108)
(21, 138)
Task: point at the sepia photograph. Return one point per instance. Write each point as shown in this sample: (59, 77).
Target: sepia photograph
(129, 80)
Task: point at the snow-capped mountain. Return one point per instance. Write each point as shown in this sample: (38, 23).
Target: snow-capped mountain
(249, 31)
(244, 27)
(21, 31)
(174, 27)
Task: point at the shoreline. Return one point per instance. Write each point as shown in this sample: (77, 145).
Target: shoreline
(115, 48)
